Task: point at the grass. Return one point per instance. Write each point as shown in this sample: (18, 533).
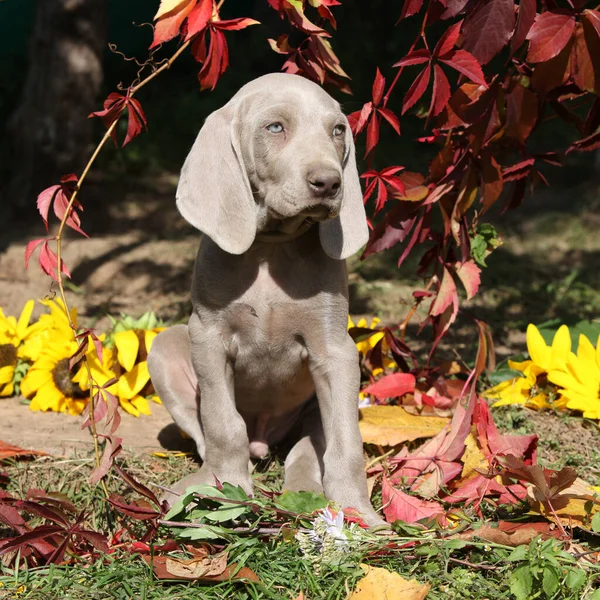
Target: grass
(453, 569)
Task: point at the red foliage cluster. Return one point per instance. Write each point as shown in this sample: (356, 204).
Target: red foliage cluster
(497, 71)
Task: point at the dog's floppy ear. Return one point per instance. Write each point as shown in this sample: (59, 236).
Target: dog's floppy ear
(348, 232)
(214, 193)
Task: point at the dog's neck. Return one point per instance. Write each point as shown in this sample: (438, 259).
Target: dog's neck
(283, 231)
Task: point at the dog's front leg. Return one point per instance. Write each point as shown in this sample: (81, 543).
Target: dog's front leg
(225, 434)
(336, 376)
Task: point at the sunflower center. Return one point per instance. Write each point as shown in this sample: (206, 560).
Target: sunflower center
(61, 375)
(8, 355)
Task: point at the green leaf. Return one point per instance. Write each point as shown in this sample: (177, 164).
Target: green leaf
(226, 513)
(234, 492)
(454, 544)
(519, 553)
(484, 243)
(500, 375)
(203, 533)
(575, 579)
(550, 581)
(521, 582)
(595, 595)
(596, 522)
(188, 497)
(301, 502)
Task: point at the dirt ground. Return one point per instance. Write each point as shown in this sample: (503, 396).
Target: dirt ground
(140, 256)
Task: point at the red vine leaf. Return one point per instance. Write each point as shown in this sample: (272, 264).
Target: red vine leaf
(550, 33)
(525, 19)
(114, 105)
(488, 28)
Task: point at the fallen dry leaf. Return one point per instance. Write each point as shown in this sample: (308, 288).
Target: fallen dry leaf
(473, 458)
(197, 567)
(515, 534)
(380, 584)
(574, 505)
(161, 566)
(10, 451)
(393, 425)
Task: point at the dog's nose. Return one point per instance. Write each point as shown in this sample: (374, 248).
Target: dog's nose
(324, 183)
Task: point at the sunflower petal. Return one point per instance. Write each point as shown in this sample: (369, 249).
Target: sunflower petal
(586, 351)
(24, 319)
(537, 348)
(131, 383)
(128, 346)
(561, 346)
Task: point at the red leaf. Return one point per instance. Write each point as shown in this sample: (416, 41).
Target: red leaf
(199, 17)
(393, 229)
(448, 40)
(30, 249)
(112, 447)
(587, 144)
(466, 64)
(169, 25)
(453, 7)
(525, 19)
(235, 24)
(496, 444)
(492, 184)
(394, 385)
(488, 28)
(48, 259)
(136, 120)
(361, 118)
(414, 58)
(470, 276)
(549, 35)
(441, 91)
(446, 295)
(10, 451)
(391, 118)
(521, 112)
(400, 506)
(417, 89)
(410, 8)
(372, 134)
(44, 200)
(378, 87)
(519, 170)
(140, 510)
(216, 62)
(593, 17)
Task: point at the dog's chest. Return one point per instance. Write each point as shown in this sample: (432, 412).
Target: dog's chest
(266, 336)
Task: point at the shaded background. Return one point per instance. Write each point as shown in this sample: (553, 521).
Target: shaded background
(56, 68)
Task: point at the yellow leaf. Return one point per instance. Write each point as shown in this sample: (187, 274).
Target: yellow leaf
(128, 346)
(392, 425)
(472, 458)
(167, 6)
(380, 584)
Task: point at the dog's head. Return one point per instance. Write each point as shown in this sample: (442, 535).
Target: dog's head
(280, 151)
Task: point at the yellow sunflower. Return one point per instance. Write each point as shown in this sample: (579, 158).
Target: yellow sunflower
(129, 386)
(531, 390)
(370, 342)
(49, 327)
(580, 379)
(49, 382)
(13, 334)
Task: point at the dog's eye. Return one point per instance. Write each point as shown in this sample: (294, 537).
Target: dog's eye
(339, 130)
(274, 127)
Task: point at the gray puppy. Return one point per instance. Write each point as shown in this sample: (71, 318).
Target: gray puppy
(272, 183)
